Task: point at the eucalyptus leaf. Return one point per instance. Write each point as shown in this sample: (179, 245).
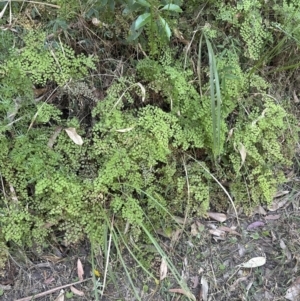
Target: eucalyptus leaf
(130, 8)
(133, 33)
(144, 3)
(172, 7)
(165, 26)
(142, 20)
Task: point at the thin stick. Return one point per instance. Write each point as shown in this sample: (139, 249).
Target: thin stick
(51, 291)
(35, 2)
(107, 258)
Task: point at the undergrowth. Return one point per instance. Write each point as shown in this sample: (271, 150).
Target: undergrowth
(135, 162)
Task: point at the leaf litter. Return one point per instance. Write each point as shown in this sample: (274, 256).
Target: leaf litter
(233, 265)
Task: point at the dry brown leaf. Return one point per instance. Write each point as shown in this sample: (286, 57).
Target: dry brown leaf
(194, 229)
(182, 220)
(163, 269)
(220, 217)
(273, 217)
(217, 232)
(243, 153)
(204, 289)
(231, 231)
(253, 262)
(13, 193)
(281, 193)
(61, 296)
(293, 292)
(5, 287)
(278, 203)
(195, 281)
(125, 130)
(230, 133)
(53, 137)
(242, 250)
(76, 291)
(143, 91)
(286, 251)
(74, 136)
(259, 210)
(175, 235)
(183, 292)
(80, 271)
(296, 99)
(49, 280)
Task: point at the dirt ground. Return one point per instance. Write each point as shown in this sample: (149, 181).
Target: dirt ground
(208, 255)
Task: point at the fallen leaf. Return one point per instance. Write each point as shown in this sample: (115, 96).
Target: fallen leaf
(183, 292)
(195, 281)
(269, 296)
(278, 203)
(49, 280)
(259, 210)
(227, 229)
(243, 153)
(293, 293)
(74, 136)
(253, 262)
(13, 193)
(296, 99)
(125, 130)
(233, 287)
(242, 250)
(273, 236)
(61, 296)
(163, 269)
(230, 133)
(273, 217)
(212, 226)
(194, 229)
(5, 287)
(175, 235)
(286, 251)
(143, 91)
(204, 289)
(217, 232)
(52, 139)
(249, 286)
(76, 291)
(220, 217)
(281, 193)
(80, 271)
(255, 225)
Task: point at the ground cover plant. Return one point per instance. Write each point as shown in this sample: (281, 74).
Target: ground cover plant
(119, 117)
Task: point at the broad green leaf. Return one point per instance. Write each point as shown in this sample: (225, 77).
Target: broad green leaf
(134, 34)
(165, 26)
(130, 8)
(142, 20)
(172, 7)
(144, 3)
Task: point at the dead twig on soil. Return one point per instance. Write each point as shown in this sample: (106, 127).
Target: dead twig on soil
(52, 290)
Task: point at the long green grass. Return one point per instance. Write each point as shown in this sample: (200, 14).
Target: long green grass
(215, 92)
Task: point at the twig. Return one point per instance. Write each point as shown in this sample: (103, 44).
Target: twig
(52, 290)
(107, 258)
